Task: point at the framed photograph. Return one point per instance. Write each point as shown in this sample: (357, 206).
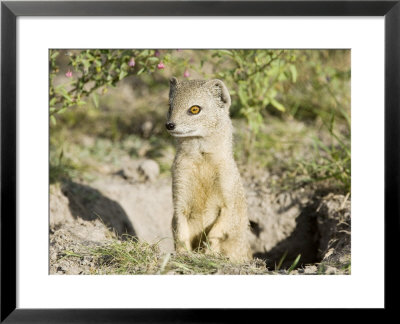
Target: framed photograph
(163, 158)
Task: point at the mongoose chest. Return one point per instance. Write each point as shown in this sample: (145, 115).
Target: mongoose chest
(199, 178)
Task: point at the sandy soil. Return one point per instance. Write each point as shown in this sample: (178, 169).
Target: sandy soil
(138, 201)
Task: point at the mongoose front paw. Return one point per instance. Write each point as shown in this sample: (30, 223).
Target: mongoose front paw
(182, 247)
(213, 246)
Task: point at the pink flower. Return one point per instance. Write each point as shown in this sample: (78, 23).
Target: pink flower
(179, 50)
(68, 74)
(157, 53)
(160, 66)
(132, 62)
(186, 74)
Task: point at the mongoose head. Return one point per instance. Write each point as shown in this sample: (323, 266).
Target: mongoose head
(197, 108)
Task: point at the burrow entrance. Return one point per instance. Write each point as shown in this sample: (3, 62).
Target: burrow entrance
(316, 227)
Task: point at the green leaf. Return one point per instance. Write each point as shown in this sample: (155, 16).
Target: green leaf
(278, 105)
(66, 96)
(53, 120)
(283, 257)
(294, 264)
(54, 55)
(144, 53)
(86, 64)
(293, 71)
(61, 111)
(122, 75)
(167, 58)
(265, 101)
(61, 155)
(153, 60)
(225, 52)
(53, 101)
(81, 103)
(95, 99)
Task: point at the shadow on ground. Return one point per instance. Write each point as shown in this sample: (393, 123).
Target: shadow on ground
(90, 204)
(304, 240)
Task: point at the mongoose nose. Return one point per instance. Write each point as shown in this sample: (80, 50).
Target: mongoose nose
(170, 126)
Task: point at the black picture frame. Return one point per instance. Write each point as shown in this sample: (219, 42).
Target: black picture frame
(10, 10)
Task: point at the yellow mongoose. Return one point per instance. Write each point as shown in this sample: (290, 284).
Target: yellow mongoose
(210, 209)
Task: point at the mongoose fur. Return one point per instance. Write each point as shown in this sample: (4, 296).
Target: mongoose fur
(210, 210)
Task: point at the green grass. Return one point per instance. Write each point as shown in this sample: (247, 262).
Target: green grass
(298, 154)
(294, 264)
(130, 256)
(62, 167)
(328, 163)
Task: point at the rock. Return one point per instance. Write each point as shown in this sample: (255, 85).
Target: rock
(311, 269)
(59, 211)
(128, 173)
(146, 128)
(330, 270)
(149, 169)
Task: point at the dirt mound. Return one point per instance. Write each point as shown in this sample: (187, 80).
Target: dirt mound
(72, 238)
(283, 226)
(308, 223)
(334, 227)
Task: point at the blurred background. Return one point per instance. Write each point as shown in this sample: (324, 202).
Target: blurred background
(109, 147)
(290, 109)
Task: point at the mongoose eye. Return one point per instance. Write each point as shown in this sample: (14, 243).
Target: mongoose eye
(194, 110)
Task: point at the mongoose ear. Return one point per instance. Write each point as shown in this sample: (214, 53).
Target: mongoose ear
(173, 82)
(220, 92)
